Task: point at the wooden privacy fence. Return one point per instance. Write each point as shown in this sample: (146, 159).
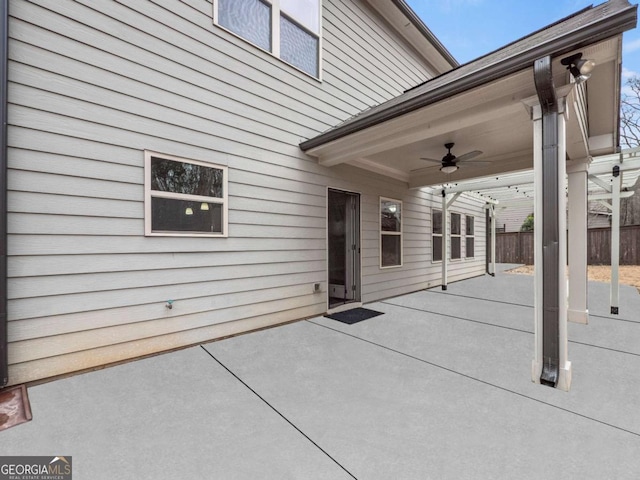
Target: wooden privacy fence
(514, 247)
(517, 247)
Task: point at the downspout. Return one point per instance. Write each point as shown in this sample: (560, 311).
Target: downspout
(4, 65)
(543, 77)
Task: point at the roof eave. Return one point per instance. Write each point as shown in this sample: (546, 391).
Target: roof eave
(607, 27)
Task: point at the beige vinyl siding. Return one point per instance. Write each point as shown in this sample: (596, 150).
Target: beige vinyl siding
(93, 85)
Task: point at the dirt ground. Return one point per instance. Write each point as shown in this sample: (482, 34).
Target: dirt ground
(629, 274)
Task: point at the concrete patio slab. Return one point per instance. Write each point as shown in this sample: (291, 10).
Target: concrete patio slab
(437, 387)
(174, 416)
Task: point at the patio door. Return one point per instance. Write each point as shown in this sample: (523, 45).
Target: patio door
(343, 218)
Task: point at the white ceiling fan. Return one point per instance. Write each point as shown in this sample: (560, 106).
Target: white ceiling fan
(449, 162)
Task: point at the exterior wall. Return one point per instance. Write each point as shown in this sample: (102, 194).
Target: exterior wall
(93, 85)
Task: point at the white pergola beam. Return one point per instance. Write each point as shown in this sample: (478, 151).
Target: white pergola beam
(492, 184)
(609, 196)
(606, 204)
(453, 199)
(600, 168)
(516, 202)
(601, 183)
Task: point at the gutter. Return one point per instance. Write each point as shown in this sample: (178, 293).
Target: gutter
(4, 64)
(545, 89)
(597, 31)
(424, 30)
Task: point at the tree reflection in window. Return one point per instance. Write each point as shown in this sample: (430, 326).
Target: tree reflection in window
(184, 197)
(186, 178)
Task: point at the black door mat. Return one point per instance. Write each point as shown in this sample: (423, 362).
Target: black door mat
(354, 315)
(14, 407)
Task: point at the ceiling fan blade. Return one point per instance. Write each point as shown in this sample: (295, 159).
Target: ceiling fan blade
(432, 160)
(468, 156)
(423, 170)
(477, 162)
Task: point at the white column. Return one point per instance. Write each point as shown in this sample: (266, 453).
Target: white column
(578, 285)
(564, 379)
(445, 240)
(536, 368)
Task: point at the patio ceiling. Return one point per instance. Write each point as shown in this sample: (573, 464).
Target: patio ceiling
(485, 105)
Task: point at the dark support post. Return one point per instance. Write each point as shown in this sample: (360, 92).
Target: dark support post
(616, 184)
(487, 244)
(550, 235)
(445, 239)
(4, 64)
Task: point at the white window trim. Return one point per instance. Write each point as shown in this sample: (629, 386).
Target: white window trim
(466, 219)
(400, 233)
(149, 193)
(452, 236)
(438, 235)
(275, 34)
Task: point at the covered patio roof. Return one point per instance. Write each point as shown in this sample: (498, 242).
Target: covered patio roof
(485, 105)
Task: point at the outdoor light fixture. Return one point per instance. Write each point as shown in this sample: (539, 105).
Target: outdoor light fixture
(579, 67)
(188, 211)
(448, 168)
(204, 206)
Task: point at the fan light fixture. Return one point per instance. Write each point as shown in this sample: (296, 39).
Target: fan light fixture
(579, 67)
(449, 168)
(449, 163)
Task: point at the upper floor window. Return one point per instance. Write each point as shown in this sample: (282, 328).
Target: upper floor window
(184, 197)
(290, 29)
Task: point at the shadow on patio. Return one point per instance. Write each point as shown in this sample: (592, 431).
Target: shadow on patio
(437, 387)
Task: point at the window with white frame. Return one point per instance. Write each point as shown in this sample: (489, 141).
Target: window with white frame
(184, 197)
(455, 236)
(390, 233)
(469, 237)
(290, 29)
(436, 235)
